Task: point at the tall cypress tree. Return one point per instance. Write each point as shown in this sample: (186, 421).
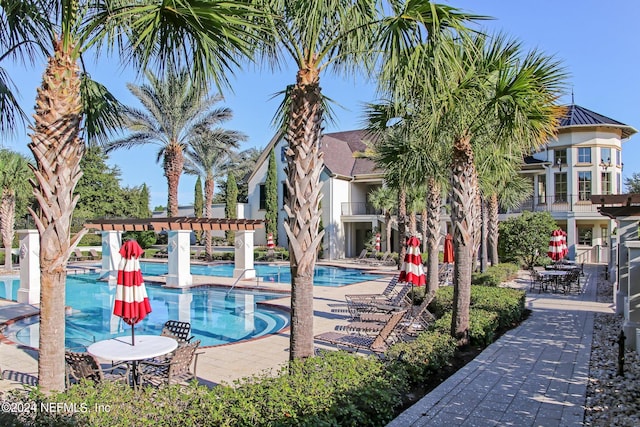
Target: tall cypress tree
(271, 202)
(231, 205)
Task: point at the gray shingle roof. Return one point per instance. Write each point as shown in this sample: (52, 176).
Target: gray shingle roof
(339, 150)
(580, 116)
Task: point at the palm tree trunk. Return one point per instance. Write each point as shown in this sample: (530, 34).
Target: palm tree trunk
(57, 150)
(7, 221)
(304, 165)
(402, 224)
(434, 201)
(208, 200)
(484, 222)
(413, 223)
(387, 221)
(173, 165)
(493, 229)
(464, 196)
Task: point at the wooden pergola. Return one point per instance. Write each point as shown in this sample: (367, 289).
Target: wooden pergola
(174, 224)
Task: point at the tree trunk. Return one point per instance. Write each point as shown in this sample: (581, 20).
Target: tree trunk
(387, 219)
(402, 224)
(7, 221)
(208, 200)
(434, 204)
(464, 194)
(173, 165)
(304, 165)
(484, 258)
(493, 229)
(57, 150)
(423, 228)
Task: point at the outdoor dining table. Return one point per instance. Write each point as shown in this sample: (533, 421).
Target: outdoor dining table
(120, 349)
(556, 274)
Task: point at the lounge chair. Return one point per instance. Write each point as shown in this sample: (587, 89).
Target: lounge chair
(357, 306)
(162, 253)
(175, 369)
(85, 366)
(385, 294)
(355, 342)
(360, 257)
(78, 255)
(94, 254)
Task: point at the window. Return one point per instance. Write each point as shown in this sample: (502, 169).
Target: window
(561, 187)
(283, 153)
(263, 196)
(285, 193)
(604, 235)
(605, 156)
(618, 158)
(542, 190)
(605, 183)
(584, 186)
(560, 156)
(619, 183)
(584, 154)
(585, 235)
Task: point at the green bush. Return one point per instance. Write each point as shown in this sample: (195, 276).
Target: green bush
(483, 325)
(91, 239)
(430, 351)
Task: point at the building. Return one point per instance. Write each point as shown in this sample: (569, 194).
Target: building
(584, 158)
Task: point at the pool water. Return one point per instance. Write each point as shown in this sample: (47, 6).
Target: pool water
(323, 275)
(216, 317)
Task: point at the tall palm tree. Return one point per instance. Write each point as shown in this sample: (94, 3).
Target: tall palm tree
(211, 155)
(176, 114)
(71, 108)
(14, 178)
(384, 198)
(342, 35)
(485, 91)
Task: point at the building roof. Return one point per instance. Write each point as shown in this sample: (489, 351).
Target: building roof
(578, 116)
(340, 153)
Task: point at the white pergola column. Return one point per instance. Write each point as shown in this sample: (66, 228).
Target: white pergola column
(627, 230)
(111, 243)
(632, 300)
(613, 265)
(179, 249)
(571, 237)
(244, 254)
(29, 292)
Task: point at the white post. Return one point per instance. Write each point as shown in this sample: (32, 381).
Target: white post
(632, 300)
(179, 249)
(111, 243)
(244, 254)
(627, 230)
(29, 292)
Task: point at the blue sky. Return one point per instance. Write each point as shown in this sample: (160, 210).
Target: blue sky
(597, 43)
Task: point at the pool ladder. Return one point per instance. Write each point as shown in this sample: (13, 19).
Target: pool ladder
(240, 277)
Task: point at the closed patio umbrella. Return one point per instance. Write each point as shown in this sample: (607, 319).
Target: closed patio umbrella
(132, 303)
(448, 249)
(557, 245)
(412, 270)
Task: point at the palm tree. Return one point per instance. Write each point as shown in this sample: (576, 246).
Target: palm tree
(71, 108)
(14, 178)
(487, 93)
(342, 35)
(385, 198)
(211, 155)
(176, 114)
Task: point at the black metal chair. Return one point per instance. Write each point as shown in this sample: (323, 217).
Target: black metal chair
(175, 369)
(180, 331)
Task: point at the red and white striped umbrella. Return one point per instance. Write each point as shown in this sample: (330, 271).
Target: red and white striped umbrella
(132, 302)
(270, 243)
(557, 245)
(448, 249)
(377, 242)
(412, 270)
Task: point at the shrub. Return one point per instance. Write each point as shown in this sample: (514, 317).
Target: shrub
(430, 351)
(482, 325)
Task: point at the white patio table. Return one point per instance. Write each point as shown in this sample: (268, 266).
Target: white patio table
(120, 349)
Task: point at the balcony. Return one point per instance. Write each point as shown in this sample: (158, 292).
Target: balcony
(564, 203)
(359, 208)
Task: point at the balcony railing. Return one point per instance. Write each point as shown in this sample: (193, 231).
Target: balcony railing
(557, 203)
(359, 208)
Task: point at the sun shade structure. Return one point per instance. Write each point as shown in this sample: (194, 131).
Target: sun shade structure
(174, 224)
(132, 303)
(412, 270)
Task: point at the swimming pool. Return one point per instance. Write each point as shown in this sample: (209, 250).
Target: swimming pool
(323, 275)
(216, 318)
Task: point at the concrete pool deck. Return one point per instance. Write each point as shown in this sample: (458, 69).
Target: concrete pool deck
(221, 364)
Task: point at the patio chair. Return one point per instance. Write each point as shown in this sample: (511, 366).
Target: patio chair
(175, 369)
(414, 321)
(356, 306)
(386, 293)
(93, 254)
(78, 255)
(178, 330)
(360, 257)
(85, 366)
(355, 342)
(162, 253)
